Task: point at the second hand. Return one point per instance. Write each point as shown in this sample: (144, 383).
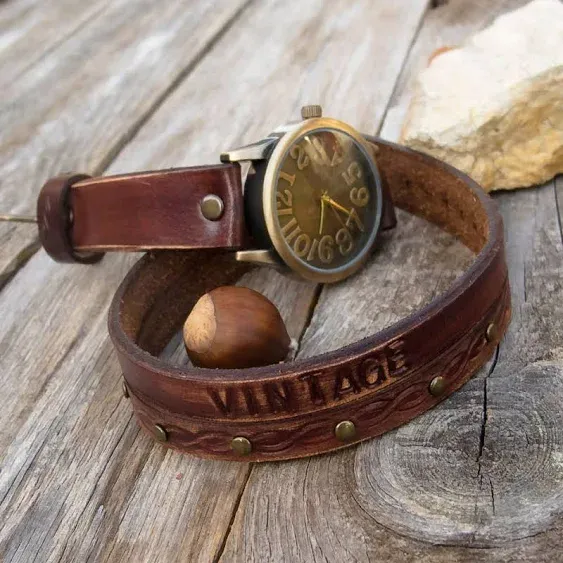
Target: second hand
(322, 215)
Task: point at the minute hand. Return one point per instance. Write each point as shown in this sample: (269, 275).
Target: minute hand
(335, 204)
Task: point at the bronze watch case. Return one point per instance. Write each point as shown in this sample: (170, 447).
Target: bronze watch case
(261, 163)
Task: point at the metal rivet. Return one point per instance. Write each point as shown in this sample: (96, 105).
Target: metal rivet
(345, 431)
(212, 207)
(307, 112)
(159, 433)
(437, 386)
(241, 445)
(491, 334)
(124, 389)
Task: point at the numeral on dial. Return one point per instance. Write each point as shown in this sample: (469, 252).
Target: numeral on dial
(344, 241)
(298, 153)
(359, 196)
(323, 248)
(326, 250)
(287, 177)
(284, 198)
(337, 158)
(319, 152)
(313, 251)
(302, 244)
(353, 173)
(288, 226)
(288, 232)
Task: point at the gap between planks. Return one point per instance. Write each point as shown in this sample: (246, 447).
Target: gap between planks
(558, 189)
(238, 500)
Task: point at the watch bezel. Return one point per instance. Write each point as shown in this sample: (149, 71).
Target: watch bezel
(275, 161)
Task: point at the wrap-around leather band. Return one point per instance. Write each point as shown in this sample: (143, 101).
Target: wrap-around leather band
(291, 409)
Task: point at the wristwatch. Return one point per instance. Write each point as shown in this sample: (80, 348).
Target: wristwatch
(311, 202)
(309, 199)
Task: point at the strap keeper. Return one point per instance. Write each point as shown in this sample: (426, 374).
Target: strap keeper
(54, 218)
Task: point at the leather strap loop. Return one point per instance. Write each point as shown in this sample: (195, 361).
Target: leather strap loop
(293, 409)
(55, 219)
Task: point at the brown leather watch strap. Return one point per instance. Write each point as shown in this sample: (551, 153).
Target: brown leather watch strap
(142, 211)
(294, 409)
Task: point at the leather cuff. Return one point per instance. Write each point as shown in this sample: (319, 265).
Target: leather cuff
(318, 404)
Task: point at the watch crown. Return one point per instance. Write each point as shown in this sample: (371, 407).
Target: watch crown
(307, 112)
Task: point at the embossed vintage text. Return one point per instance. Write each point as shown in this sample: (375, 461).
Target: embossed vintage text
(309, 390)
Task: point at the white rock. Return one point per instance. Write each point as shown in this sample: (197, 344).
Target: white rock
(494, 106)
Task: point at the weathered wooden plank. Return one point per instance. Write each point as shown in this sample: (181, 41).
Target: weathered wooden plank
(14, 254)
(483, 467)
(77, 109)
(23, 151)
(493, 450)
(342, 60)
(123, 498)
(32, 372)
(30, 29)
(77, 464)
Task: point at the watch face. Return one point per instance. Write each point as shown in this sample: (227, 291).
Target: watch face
(327, 204)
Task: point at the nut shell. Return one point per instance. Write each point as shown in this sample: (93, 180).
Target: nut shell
(235, 327)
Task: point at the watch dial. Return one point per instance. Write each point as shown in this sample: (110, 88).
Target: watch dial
(327, 199)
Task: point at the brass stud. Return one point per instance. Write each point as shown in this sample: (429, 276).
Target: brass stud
(491, 334)
(124, 389)
(212, 207)
(437, 386)
(241, 445)
(160, 434)
(345, 431)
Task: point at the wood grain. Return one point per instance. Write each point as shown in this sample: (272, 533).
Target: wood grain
(77, 109)
(30, 29)
(76, 471)
(78, 481)
(19, 243)
(480, 470)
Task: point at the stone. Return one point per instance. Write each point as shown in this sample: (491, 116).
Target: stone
(493, 107)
